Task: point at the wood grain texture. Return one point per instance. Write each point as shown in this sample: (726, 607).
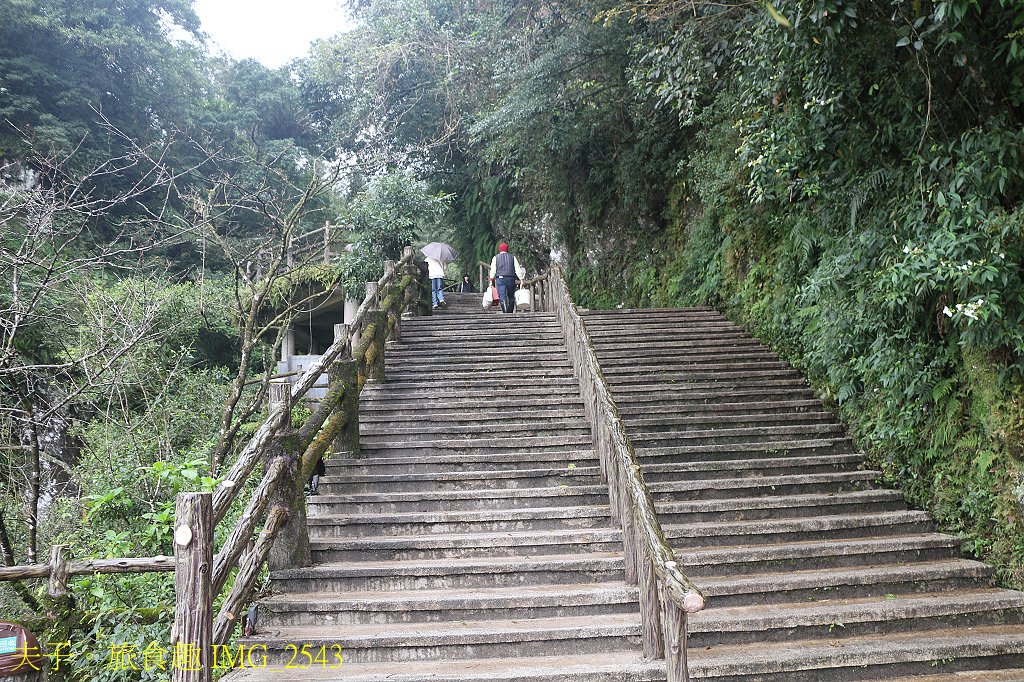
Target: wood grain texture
(192, 632)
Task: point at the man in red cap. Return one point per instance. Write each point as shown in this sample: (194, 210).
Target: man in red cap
(505, 270)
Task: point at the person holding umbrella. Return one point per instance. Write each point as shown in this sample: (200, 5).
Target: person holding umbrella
(438, 256)
(505, 269)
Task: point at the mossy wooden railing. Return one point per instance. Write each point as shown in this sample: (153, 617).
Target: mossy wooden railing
(289, 456)
(666, 594)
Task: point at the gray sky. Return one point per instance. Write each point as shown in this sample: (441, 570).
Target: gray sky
(272, 31)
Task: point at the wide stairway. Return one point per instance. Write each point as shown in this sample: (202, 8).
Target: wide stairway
(471, 540)
(812, 572)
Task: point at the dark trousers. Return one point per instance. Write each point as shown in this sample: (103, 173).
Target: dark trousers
(506, 292)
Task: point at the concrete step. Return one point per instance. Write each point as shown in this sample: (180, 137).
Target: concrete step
(438, 355)
(695, 356)
(843, 618)
(645, 353)
(450, 376)
(633, 412)
(461, 521)
(774, 531)
(780, 506)
(539, 477)
(474, 545)
(658, 399)
(451, 573)
(773, 387)
(590, 667)
(438, 606)
(341, 465)
(740, 560)
(724, 452)
(469, 639)
(737, 435)
(509, 363)
(474, 446)
(712, 470)
(496, 427)
(830, 483)
(684, 369)
(486, 385)
(844, 582)
(682, 423)
(389, 502)
(390, 396)
(483, 416)
(701, 377)
(870, 657)
(477, 406)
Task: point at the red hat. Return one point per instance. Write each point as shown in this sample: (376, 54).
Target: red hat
(503, 247)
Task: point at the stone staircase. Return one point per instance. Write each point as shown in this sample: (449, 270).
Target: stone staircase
(811, 571)
(471, 540)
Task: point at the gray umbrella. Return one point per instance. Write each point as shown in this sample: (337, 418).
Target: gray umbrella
(439, 251)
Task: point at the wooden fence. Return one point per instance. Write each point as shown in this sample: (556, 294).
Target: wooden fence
(289, 457)
(666, 594)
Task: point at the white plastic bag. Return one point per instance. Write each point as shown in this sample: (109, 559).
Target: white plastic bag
(488, 298)
(523, 300)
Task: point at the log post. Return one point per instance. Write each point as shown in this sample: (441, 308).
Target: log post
(675, 642)
(411, 296)
(631, 544)
(192, 632)
(343, 334)
(280, 396)
(291, 550)
(60, 571)
(650, 606)
(248, 572)
(347, 374)
(60, 607)
(373, 293)
(374, 358)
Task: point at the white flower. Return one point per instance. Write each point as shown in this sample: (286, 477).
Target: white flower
(906, 249)
(947, 311)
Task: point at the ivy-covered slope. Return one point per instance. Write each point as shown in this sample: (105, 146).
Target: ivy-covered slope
(842, 176)
(850, 190)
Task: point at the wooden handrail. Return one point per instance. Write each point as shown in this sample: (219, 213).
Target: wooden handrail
(666, 594)
(377, 326)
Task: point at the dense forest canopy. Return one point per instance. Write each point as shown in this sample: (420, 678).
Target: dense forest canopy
(844, 177)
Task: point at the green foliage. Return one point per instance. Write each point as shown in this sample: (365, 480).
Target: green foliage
(389, 214)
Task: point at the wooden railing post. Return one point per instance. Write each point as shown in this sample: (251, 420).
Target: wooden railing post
(411, 296)
(373, 358)
(675, 642)
(650, 605)
(192, 633)
(347, 374)
(342, 333)
(60, 571)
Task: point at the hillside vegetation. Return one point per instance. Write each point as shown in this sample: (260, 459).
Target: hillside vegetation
(843, 177)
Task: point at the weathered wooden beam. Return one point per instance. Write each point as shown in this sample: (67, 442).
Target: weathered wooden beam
(650, 608)
(347, 374)
(192, 632)
(60, 571)
(291, 550)
(249, 571)
(675, 642)
(155, 564)
(241, 534)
